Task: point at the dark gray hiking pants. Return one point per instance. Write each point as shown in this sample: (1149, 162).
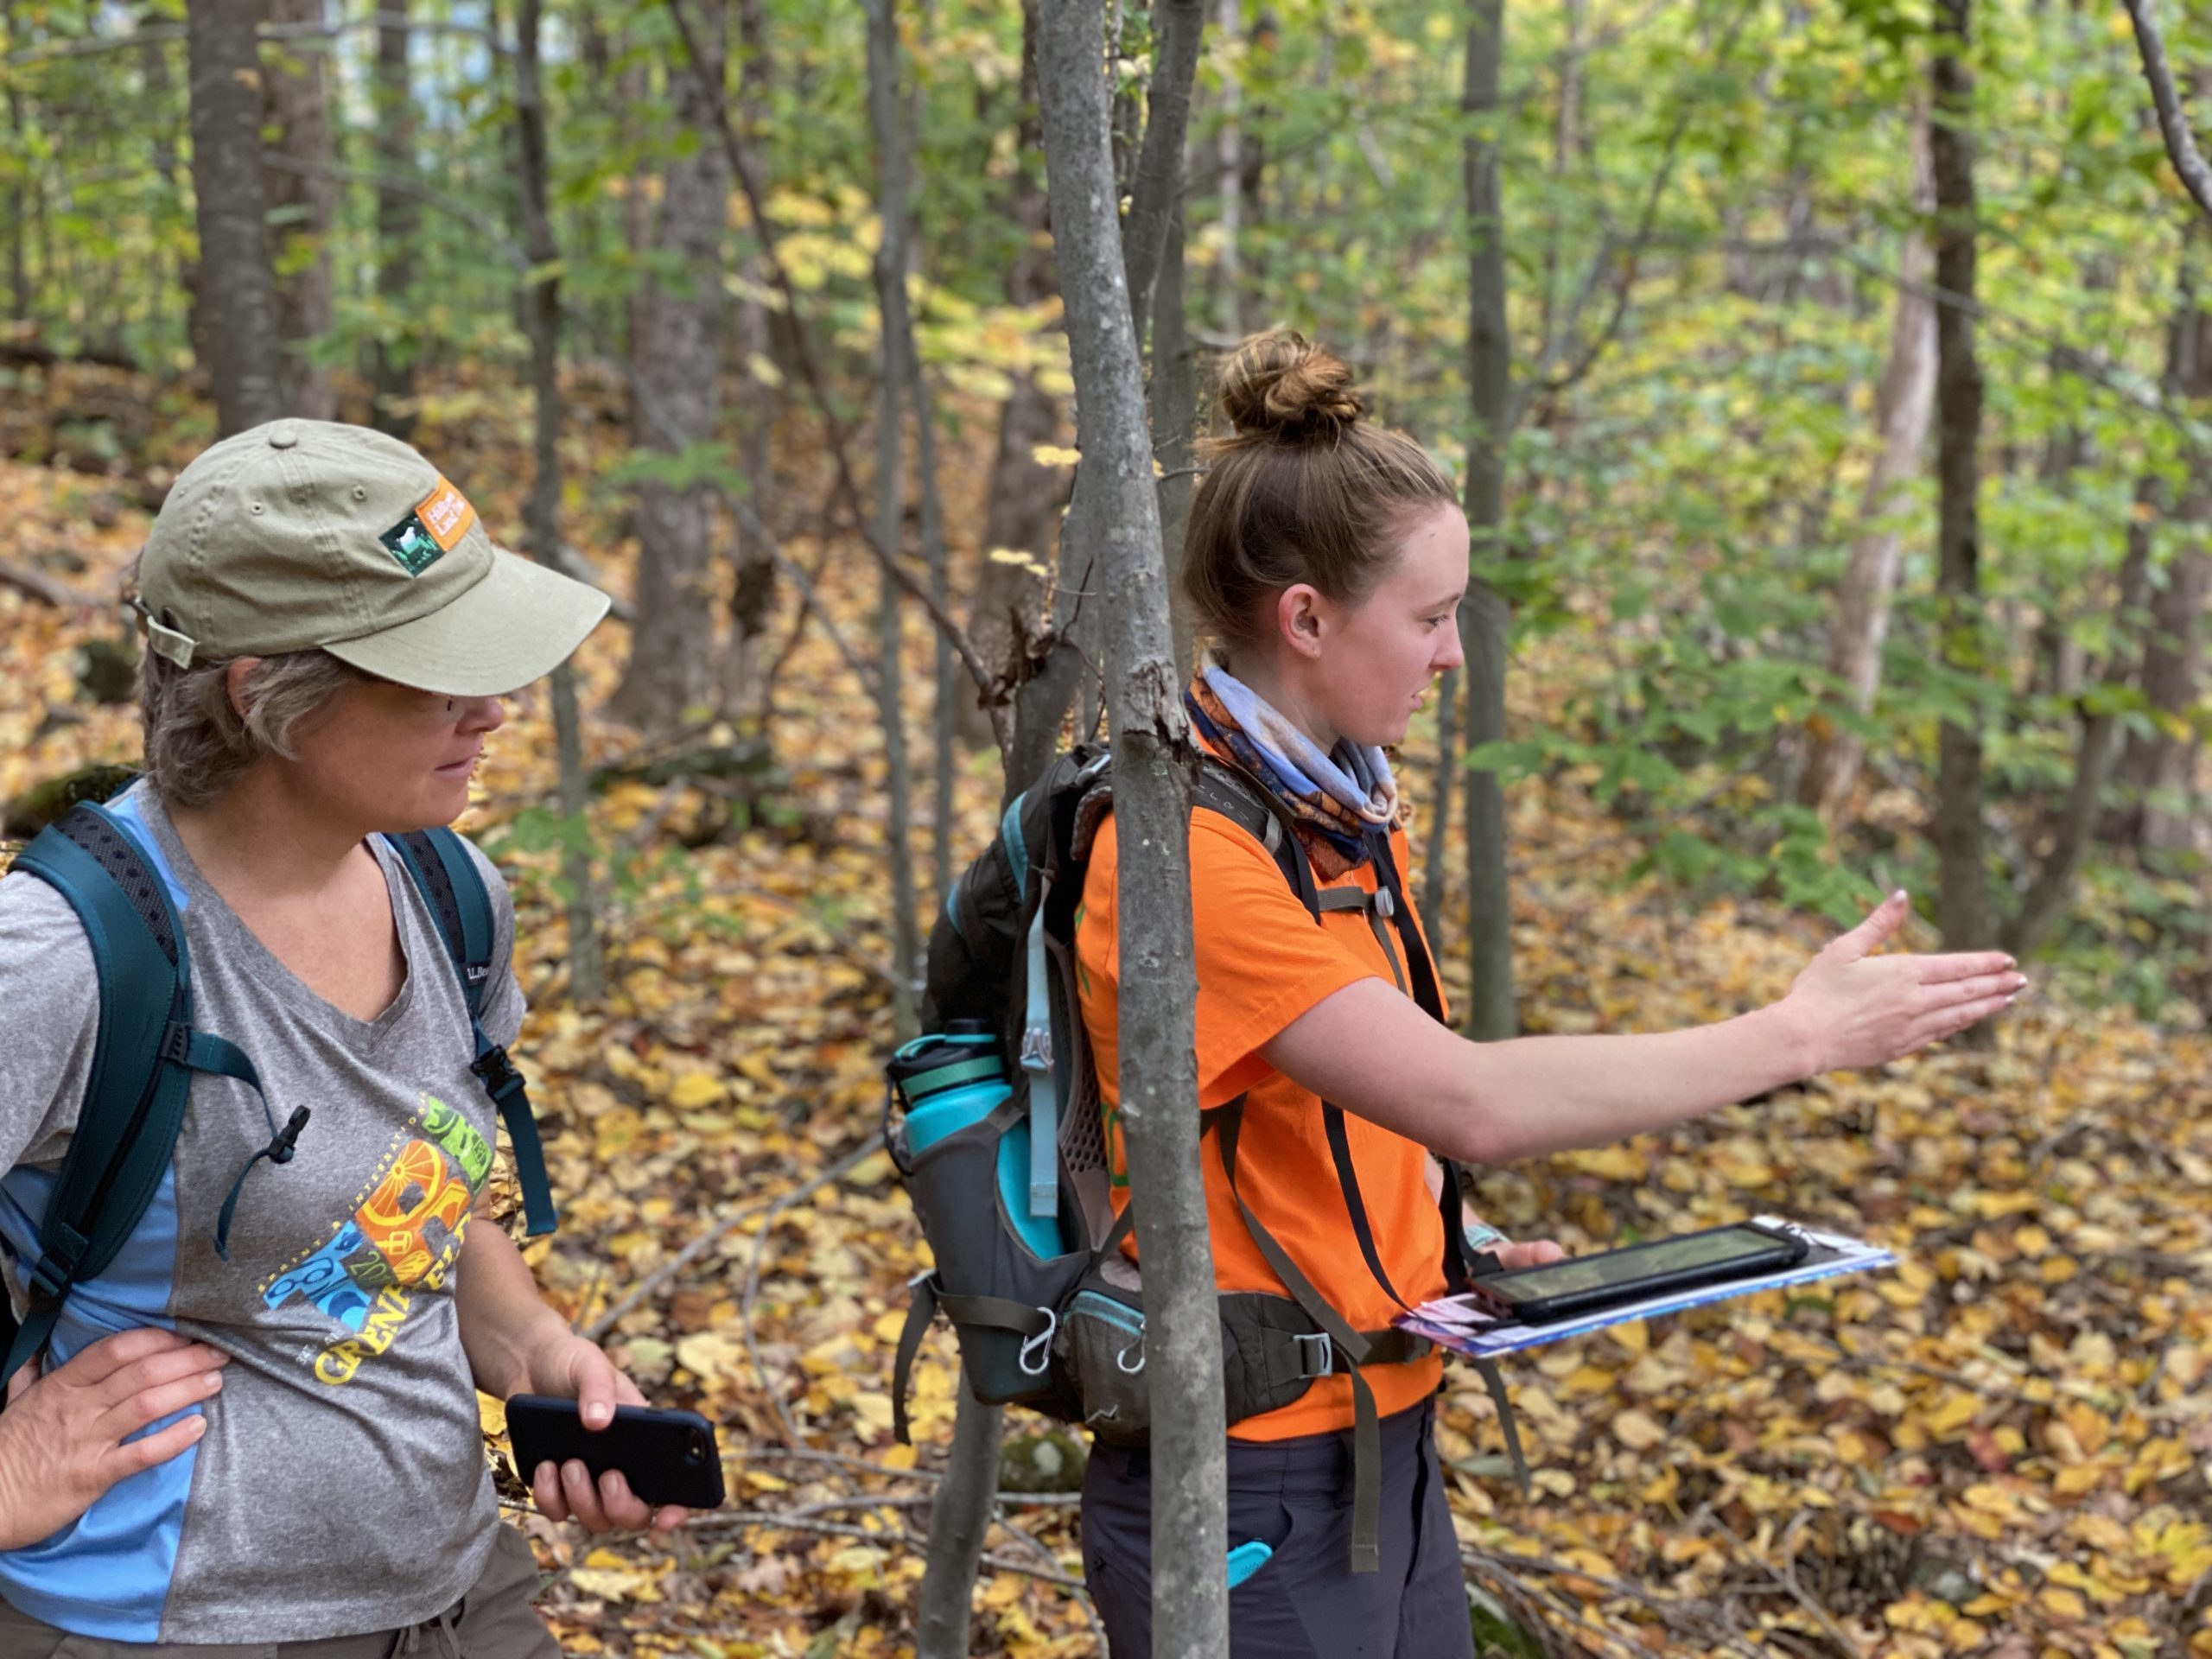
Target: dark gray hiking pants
(1305, 1602)
(494, 1620)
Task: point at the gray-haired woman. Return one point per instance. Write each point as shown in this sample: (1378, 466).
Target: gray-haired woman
(212, 1451)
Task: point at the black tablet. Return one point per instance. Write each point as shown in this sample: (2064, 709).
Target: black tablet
(1585, 1284)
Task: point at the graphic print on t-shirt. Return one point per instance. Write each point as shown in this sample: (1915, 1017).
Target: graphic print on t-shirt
(405, 1230)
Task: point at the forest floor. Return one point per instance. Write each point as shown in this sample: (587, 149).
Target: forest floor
(2002, 1447)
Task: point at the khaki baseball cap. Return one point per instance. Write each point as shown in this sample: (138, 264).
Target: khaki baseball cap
(300, 535)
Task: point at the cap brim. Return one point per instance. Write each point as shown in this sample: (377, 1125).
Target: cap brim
(518, 624)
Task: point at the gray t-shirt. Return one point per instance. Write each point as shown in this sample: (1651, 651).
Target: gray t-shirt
(341, 1486)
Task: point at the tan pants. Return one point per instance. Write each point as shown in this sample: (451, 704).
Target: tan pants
(494, 1620)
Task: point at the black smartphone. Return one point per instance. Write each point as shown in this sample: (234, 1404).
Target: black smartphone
(1586, 1284)
(667, 1457)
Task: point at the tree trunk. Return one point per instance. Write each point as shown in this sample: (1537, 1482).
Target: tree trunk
(2163, 766)
(2158, 766)
(670, 674)
(753, 591)
(303, 204)
(1023, 499)
(1435, 842)
(960, 1518)
(226, 186)
(1963, 907)
(1156, 196)
(155, 65)
(1228, 179)
(892, 158)
(1021, 511)
(541, 311)
(19, 279)
(2099, 748)
(1041, 703)
(391, 372)
(1174, 426)
(944, 733)
(1901, 411)
(1485, 619)
(1153, 757)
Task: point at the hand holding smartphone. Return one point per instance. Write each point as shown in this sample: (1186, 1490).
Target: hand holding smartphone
(667, 1457)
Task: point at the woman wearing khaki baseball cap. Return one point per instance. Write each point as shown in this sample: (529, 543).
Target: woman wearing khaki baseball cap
(329, 633)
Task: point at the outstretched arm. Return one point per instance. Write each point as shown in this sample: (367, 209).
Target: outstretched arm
(1370, 1051)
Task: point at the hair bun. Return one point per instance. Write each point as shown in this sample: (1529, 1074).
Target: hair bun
(1282, 387)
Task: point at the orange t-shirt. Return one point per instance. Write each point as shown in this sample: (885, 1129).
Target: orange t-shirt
(1261, 963)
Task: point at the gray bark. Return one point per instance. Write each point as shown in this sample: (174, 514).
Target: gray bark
(2173, 120)
(1902, 407)
(303, 206)
(1023, 500)
(891, 163)
(1155, 198)
(671, 668)
(944, 724)
(2158, 763)
(1174, 426)
(753, 593)
(1153, 756)
(391, 372)
(155, 65)
(18, 218)
(1436, 834)
(1963, 907)
(2094, 758)
(960, 1516)
(1228, 179)
(1042, 702)
(541, 311)
(1485, 619)
(233, 237)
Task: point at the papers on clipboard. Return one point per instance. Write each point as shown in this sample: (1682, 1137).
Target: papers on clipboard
(1464, 1326)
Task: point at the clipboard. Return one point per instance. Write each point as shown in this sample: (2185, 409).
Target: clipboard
(1465, 1326)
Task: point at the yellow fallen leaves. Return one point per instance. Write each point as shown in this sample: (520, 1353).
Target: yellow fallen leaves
(1637, 1430)
(608, 1576)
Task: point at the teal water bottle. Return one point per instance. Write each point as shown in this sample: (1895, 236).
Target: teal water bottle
(955, 1077)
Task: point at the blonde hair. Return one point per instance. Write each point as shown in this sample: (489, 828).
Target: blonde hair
(1300, 489)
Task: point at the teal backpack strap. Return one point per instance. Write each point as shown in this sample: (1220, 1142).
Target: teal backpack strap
(143, 1055)
(438, 862)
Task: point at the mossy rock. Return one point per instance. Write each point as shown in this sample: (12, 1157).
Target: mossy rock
(43, 803)
(1051, 1462)
(107, 669)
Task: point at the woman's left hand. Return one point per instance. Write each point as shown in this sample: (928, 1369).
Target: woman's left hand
(1530, 1253)
(568, 1367)
(1482, 1237)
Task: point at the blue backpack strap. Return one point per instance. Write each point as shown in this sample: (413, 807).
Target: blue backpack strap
(438, 862)
(143, 1056)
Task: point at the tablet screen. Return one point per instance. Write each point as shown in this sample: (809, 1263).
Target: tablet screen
(1666, 1255)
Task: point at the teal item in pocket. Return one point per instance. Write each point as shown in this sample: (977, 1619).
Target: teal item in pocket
(1246, 1560)
(950, 1080)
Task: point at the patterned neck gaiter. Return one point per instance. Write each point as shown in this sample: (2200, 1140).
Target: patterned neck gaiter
(1334, 799)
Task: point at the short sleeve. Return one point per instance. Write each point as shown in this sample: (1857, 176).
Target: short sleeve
(1262, 961)
(51, 990)
(504, 1006)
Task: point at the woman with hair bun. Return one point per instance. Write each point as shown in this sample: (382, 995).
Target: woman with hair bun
(1326, 557)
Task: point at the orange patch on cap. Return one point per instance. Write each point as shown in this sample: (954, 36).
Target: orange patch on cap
(445, 512)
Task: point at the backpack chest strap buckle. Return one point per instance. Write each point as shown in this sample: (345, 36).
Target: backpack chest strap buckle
(1317, 1355)
(496, 1071)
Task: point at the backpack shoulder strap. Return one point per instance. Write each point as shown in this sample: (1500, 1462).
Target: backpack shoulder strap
(143, 1054)
(1240, 797)
(438, 863)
